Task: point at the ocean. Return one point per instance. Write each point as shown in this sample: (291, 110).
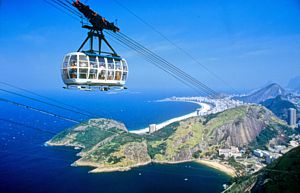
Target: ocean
(27, 165)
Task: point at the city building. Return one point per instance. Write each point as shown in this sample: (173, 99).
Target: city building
(152, 128)
(270, 159)
(279, 148)
(232, 152)
(294, 143)
(292, 117)
(258, 153)
(199, 112)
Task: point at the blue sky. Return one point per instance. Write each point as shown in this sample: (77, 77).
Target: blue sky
(246, 43)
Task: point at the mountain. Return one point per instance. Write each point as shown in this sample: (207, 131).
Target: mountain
(107, 146)
(294, 84)
(268, 92)
(279, 106)
(283, 175)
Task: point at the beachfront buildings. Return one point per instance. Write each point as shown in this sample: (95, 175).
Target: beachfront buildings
(232, 152)
(152, 128)
(268, 156)
(216, 105)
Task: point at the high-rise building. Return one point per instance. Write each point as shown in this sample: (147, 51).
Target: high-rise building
(152, 128)
(292, 117)
(199, 112)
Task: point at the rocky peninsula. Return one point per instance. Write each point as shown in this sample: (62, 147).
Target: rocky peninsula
(106, 145)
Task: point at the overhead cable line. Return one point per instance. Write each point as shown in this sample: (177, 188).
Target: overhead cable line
(176, 71)
(171, 65)
(43, 102)
(61, 9)
(49, 99)
(174, 44)
(28, 126)
(154, 62)
(39, 110)
(51, 114)
(33, 128)
(70, 9)
(165, 64)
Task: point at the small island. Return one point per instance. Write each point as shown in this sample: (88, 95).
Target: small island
(106, 145)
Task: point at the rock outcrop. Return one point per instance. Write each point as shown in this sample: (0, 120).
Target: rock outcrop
(241, 131)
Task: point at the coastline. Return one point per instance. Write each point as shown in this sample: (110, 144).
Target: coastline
(204, 107)
(218, 166)
(209, 163)
(98, 168)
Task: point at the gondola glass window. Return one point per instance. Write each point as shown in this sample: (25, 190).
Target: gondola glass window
(102, 69)
(118, 69)
(65, 73)
(125, 70)
(111, 69)
(73, 66)
(83, 66)
(93, 67)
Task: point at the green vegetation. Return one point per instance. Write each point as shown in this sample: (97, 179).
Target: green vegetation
(157, 148)
(91, 136)
(271, 131)
(279, 106)
(225, 117)
(242, 184)
(106, 144)
(263, 138)
(103, 152)
(163, 133)
(240, 168)
(62, 135)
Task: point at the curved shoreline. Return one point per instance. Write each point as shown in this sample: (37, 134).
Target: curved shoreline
(218, 166)
(221, 167)
(204, 107)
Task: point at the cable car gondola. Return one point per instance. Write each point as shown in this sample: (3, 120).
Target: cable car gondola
(91, 69)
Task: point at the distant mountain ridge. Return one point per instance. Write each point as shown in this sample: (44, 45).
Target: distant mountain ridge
(294, 84)
(271, 91)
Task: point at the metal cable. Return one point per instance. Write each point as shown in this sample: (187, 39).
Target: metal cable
(49, 99)
(163, 63)
(174, 44)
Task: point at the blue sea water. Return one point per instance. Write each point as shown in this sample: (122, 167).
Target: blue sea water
(26, 165)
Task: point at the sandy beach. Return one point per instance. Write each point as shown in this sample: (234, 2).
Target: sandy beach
(203, 108)
(219, 166)
(98, 168)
